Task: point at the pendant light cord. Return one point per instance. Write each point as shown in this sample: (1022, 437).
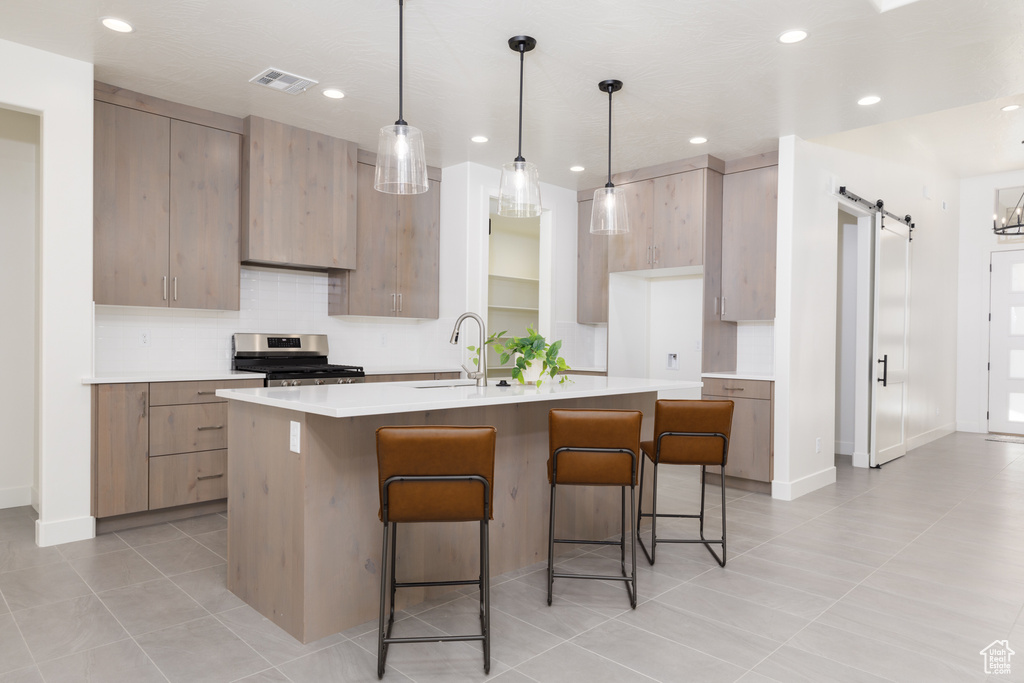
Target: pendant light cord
(401, 27)
(522, 56)
(610, 91)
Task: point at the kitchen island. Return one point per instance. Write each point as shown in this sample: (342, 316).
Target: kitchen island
(304, 537)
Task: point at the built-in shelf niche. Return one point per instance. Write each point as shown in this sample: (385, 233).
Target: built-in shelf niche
(513, 282)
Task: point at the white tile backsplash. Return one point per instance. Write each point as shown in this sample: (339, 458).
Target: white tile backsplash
(755, 347)
(271, 301)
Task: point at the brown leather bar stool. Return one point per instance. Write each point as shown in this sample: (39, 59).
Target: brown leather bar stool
(594, 448)
(687, 433)
(435, 474)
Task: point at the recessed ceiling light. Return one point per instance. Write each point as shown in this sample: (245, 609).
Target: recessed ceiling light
(1011, 107)
(479, 138)
(333, 93)
(115, 24)
(794, 36)
(869, 100)
(698, 140)
(576, 169)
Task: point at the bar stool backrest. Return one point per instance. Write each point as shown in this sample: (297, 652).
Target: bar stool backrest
(436, 451)
(709, 417)
(599, 429)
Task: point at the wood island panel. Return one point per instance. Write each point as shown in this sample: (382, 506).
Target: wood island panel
(304, 537)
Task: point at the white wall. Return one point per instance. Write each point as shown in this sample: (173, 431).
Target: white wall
(805, 325)
(19, 170)
(60, 91)
(977, 242)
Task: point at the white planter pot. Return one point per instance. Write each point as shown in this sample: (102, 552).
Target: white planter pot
(532, 373)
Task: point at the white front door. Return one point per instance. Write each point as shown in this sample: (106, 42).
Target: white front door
(889, 390)
(1006, 344)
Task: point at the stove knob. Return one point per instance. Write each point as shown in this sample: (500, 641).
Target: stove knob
(295, 383)
(318, 382)
(340, 381)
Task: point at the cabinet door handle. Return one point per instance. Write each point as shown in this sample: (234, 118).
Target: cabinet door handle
(203, 429)
(399, 303)
(716, 307)
(145, 401)
(655, 253)
(723, 305)
(165, 288)
(648, 256)
(210, 476)
(206, 393)
(393, 306)
(733, 388)
(175, 287)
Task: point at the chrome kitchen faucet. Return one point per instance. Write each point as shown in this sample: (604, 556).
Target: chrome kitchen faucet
(480, 374)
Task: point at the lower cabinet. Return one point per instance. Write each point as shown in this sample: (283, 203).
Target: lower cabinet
(158, 445)
(750, 448)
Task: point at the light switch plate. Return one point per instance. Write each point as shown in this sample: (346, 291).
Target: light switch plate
(293, 441)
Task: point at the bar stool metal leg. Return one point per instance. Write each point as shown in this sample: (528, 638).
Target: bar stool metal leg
(551, 545)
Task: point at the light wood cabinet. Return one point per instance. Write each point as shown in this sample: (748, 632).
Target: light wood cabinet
(120, 449)
(718, 351)
(131, 206)
(749, 226)
(159, 445)
(398, 242)
(298, 197)
(188, 478)
(591, 270)
(750, 447)
(166, 211)
(666, 223)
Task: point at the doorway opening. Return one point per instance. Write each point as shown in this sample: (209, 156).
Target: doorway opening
(513, 282)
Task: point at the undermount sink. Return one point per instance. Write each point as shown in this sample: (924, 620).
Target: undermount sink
(446, 385)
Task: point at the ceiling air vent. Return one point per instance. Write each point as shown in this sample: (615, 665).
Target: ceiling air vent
(283, 81)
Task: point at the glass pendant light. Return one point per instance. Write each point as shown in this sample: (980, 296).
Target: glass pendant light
(608, 215)
(519, 192)
(401, 163)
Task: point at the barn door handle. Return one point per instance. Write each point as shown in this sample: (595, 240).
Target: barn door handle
(884, 379)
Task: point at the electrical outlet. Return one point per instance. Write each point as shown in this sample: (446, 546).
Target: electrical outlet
(293, 441)
(144, 339)
(817, 444)
(673, 361)
(383, 340)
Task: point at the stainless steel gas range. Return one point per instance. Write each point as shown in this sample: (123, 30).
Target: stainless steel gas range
(290, 360)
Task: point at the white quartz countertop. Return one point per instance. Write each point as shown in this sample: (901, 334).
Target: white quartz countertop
(353, 400)
(766, 377)
(193, 376)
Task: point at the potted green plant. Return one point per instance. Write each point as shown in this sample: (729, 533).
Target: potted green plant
(526, 351)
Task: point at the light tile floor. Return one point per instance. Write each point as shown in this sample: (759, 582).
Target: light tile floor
(899, 574)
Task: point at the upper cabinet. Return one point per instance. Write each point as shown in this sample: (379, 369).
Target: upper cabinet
(398, 242)
(166, 204)
(298, 197)
(666, 223)
(750, 202)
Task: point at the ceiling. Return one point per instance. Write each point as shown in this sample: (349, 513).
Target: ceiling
(710, 68)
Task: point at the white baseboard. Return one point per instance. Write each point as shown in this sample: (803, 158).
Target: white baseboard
(35, 499)
(65, 531)
(15, 497)
(976, 427)
(844, 447)
(861, 459)
(791, 490)
(929, 436)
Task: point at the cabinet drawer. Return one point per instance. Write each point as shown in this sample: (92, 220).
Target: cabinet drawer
(183, 429)
(176, 393)
(187, 478)
(740, 388)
